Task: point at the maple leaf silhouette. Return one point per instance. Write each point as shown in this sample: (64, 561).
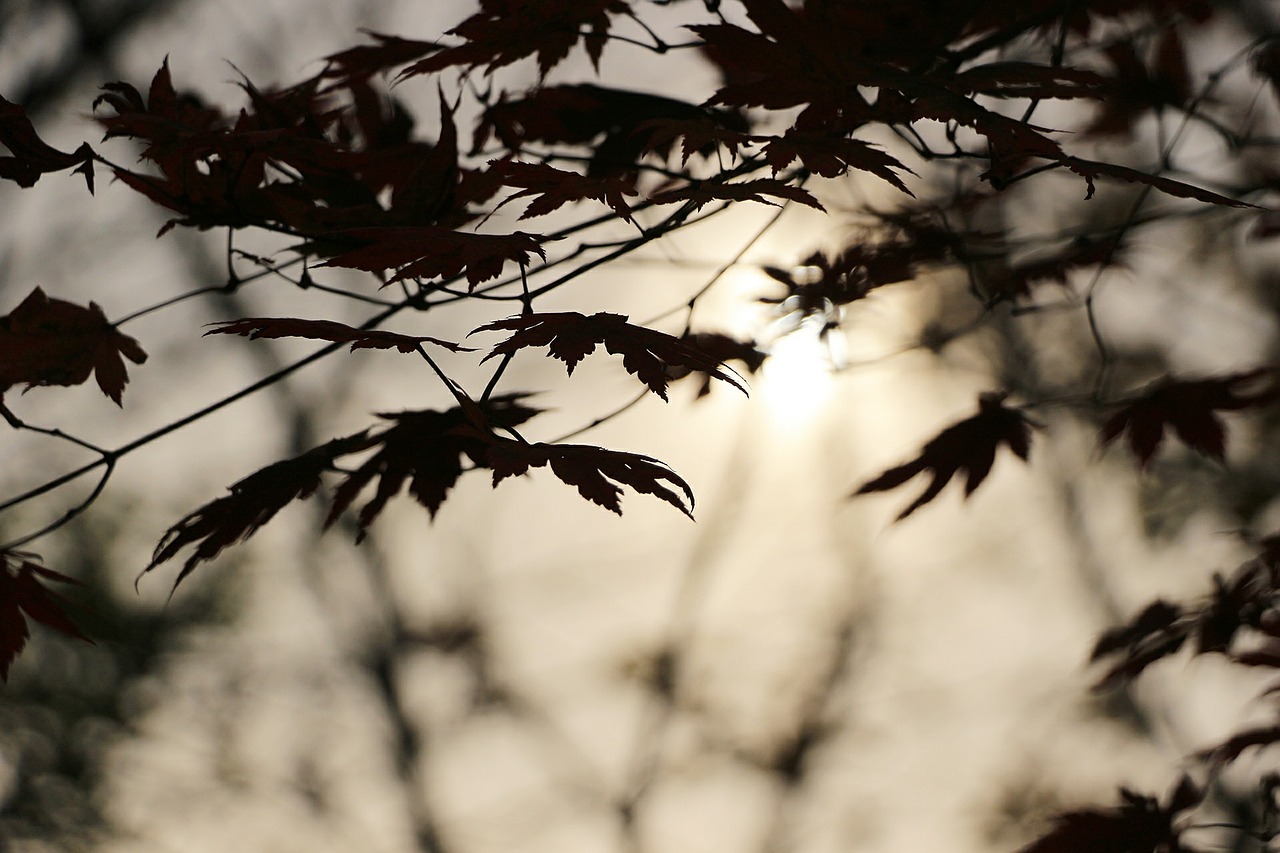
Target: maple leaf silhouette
(618, 125)
(647, 354)
(47, 341)
(327, 330)
(30, 156)
(364, 61)
(722, 348)
(22, 593)
(253, 502)
(595, 471)
(1188, 407)
(555, 188)
(430, 251)
(700, 135)
(832, 157)
(504, 31)
(704, 192)
(1139, 825)
(1246, 599)
(424, 449)
(1090, 170)
(969, 445)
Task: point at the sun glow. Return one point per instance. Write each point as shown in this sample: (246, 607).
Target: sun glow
(796, 380)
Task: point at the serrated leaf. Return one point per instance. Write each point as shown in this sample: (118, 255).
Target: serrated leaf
(649, 355)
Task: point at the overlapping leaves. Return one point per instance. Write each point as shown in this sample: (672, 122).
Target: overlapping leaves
(649, 355)
(426, 451)
(1189, 408)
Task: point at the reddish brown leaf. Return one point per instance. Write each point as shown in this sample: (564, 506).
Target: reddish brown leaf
(1188, 407)
(649, 355)
(327, 330)
(722, 348)
(595, 471)
(48, 341)
(1090, 170)
(704, 192)
(504, 31)
(832, 157)
(617, 125)
(22, 593)
(30, 156)
(555, 188)
(424, 449)
(253, 502)
(700, 135)
(969, 446)
(430, 251)
(366, 60)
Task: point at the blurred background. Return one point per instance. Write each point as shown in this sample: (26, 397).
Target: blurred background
(529, 673)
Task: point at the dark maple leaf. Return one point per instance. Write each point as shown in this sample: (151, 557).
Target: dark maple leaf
(504, 31)
(47, 341)
(22, 593)
(30, 156)
(618, 125)
(364, 61)
(170, 123)
(1246, 599)
(699, 135)
(431, 251)
(1091, 170)
(1139, 825)
(969, 446)
(832, 157)
(704, 192)
(1189, 408)
(424, 449)
(327, 330)
(595, 471)
(253, 502)
(647, 354)
(555, 188)
(722, 348)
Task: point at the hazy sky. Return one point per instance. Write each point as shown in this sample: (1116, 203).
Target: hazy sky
(941, 660)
